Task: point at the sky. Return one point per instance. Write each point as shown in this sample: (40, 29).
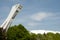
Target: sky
(35, 14)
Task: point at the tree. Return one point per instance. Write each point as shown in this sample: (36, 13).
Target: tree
(17, 32)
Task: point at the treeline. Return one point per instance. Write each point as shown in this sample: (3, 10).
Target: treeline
(18, 32)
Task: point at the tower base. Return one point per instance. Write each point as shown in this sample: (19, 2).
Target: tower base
(2, 34)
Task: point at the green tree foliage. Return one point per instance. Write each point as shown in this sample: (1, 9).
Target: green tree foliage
(49, 36)
(33, 36)
(18, 32)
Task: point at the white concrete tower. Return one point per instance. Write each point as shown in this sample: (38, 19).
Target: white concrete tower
(14, 11)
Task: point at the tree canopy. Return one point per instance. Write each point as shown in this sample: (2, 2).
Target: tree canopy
(19, 32)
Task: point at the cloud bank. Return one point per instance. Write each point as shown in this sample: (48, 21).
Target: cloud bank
(43, 31)
(40, 16)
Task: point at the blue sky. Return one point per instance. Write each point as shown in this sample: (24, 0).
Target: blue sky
(35, 14)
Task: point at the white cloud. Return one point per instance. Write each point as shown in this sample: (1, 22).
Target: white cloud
(40, 16)
(33, 24)
(43, 31)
